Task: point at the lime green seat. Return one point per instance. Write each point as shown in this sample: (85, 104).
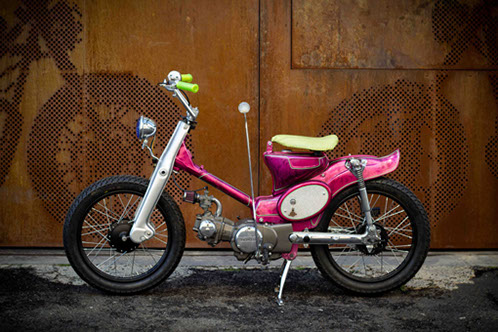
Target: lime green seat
(309, 143)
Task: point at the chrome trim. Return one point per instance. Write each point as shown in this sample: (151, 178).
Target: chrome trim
(170, 84)
(286, 266)
(369, 237)
(356, 167)
(219, 207)
(192, 112)
(244, 108)
(141, 229)
(326, 238)
(146, 128)
(207, 228)
(174, 76)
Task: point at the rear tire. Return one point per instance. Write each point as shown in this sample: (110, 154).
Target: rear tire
(93, 247)
(409, 239)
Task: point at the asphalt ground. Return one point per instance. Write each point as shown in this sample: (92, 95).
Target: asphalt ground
(214, 292)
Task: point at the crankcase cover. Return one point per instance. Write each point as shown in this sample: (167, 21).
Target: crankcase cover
(245, 239)
(304, 201)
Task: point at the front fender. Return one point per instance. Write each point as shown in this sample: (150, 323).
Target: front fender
(338, 177)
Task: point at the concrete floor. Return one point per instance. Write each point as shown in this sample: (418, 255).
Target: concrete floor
(455, 291)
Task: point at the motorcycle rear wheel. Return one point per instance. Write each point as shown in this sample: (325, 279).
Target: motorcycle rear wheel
(99, 221)
(405, 232)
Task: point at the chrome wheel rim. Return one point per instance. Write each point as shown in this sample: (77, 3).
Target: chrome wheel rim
(121, 262)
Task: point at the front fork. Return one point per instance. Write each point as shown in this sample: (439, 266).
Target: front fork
(142, 230)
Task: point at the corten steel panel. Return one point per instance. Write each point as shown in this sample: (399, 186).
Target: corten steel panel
(445, 123)
(75, 76)
(408, 34)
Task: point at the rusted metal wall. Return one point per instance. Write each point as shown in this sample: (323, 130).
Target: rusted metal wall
(421, 76)
(76, 76)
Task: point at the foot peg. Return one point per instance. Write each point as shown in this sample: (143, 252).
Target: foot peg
(283, 276)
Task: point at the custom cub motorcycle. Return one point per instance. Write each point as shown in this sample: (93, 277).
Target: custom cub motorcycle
(367, 234)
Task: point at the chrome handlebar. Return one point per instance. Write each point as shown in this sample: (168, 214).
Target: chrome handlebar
(170, 84)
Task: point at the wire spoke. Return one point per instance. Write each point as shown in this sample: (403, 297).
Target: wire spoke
(403, 235)
(84, 227)
(394, 254)
(88, 242)
(158, 239)
(388, 216)
(125, 209)
(114, 262)
(397, 250)
(401, 246)
(163, 231)
(351, 214)
(107, 209)
(377, 259)
(95, 231)
(131, 207)
(161, 225)
(356, 261)
(110, 257)
(102, 213)
(378, 196)
(336, 224)
(351, 218)
(144, 248)
(98, 251)
(355, 220)
(353, 259)
(133, 263)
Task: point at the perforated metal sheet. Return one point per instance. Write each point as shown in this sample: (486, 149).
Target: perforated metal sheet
(381, 75)
(85, 131)
(74, 77)
(402, 116)
(41, 29)
(444, 118)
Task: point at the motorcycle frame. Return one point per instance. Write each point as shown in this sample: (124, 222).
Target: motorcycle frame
(176, 156)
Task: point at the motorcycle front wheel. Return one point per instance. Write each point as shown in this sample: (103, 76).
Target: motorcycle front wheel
(96, 237)
(404, 229)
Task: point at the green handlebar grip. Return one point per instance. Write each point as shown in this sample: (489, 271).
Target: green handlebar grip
(187, 87)
(187, 78)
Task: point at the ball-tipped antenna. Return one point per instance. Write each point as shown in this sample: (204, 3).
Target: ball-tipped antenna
(244, 109)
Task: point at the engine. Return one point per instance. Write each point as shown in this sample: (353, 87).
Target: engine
(213, 228)
(242, 235)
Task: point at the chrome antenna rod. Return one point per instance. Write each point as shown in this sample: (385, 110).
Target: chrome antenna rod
(244, 109)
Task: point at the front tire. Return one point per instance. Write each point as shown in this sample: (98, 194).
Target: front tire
(96, 227)
(405, 232)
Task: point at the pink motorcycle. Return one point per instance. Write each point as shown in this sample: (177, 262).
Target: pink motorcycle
(367, 234)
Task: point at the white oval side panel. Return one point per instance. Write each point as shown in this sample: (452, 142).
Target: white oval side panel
(304, 202)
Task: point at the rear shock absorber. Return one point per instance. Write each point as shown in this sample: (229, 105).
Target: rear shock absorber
(356, 167)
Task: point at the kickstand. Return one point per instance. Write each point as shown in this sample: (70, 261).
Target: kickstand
(283, 276)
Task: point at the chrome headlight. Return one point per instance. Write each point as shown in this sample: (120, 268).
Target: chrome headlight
(145, 128)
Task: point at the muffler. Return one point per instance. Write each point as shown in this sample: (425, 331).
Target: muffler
(328, 238)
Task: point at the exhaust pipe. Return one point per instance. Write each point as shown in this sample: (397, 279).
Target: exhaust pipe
(328, 238)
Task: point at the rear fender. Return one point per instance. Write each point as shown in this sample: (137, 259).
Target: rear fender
(338, 177)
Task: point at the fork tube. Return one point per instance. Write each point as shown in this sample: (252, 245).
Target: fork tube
(141, 229)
